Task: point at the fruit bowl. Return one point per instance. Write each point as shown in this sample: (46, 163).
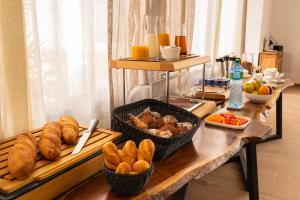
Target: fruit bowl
(258, 98)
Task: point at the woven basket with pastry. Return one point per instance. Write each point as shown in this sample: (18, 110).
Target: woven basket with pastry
(129, 169)
(168, 126)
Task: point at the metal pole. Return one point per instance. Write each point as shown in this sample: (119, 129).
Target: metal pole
(203, 83)
(167, 86)
(124, 86)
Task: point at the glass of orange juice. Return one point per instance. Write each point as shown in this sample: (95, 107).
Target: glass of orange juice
(164, 39)
(180, 41)
(139, 52)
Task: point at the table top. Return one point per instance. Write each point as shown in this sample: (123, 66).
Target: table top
(210, 148)
(170, 66)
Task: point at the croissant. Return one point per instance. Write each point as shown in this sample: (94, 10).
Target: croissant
(70, 129)
(50, 141)
(137, 122)
(111, 155)
(24, 147)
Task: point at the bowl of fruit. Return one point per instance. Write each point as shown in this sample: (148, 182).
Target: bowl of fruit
(256, 92)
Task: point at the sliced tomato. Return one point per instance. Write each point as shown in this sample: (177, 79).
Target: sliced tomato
(242, 121)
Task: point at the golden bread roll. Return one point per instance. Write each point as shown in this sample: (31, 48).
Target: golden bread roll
(140, 166)
(111, 155)
(156, 124)
(147, 119)
(137, 122)
(123, 168)
(168, 127)
(129, 152)
(70, 129)
(22, 156)
(50, 141)
(146, 150)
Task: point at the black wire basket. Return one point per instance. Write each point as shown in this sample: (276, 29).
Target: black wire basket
(163, 146)
(127, 184)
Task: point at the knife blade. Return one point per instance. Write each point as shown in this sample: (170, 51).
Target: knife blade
(85, 136)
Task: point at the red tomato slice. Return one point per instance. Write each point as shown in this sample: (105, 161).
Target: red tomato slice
(242, 121)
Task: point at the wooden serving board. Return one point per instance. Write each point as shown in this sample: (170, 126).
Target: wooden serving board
(213, 93)
(44, 168)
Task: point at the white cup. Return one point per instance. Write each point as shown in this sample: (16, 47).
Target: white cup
(258, 76)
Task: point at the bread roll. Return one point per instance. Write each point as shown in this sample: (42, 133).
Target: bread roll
(129, 152)
(146, 150)
(170, 128)
(140, 166)
(70, 129)
(22, 156)
(137, 122)
(111, 155)
(50, 141)
(123, 168)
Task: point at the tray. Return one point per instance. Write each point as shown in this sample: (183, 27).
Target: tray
(182, 57)
(229, 125)
(44, 168)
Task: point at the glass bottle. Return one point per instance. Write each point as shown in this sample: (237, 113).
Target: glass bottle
(139, 51)
(151, 36)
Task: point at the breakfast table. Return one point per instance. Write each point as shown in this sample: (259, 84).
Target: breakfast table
(209, 149)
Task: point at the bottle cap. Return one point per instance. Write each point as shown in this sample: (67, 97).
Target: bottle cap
(237, 61)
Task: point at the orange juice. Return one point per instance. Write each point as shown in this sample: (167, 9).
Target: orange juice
(164, 39)
(180, 41)
(139, 52)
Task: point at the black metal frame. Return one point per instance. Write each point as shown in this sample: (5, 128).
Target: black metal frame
(278, 134)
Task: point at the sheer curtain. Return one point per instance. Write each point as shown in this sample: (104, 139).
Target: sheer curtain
(67, 60)
(174, 16)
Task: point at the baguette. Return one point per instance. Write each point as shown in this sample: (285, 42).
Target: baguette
(50, 141)
(70, 129)
(24, 147)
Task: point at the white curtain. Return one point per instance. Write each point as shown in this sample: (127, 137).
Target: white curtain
(67, 60)
(174, 16)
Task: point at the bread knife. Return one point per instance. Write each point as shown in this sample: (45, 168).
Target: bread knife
(85, 136)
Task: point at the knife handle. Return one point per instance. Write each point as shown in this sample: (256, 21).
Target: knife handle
(93, 125)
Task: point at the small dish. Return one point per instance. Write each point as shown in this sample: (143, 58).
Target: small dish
(170, 52)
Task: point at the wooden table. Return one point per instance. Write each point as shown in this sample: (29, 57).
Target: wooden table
(210, 148)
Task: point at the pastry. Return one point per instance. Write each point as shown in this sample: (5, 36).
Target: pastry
(146, 150)
(137, 122)
(129, 152)
(165, 134)
(170, 119)
(168, 127)
(22, 156)
(140, 166)
(50, 141)
(111, 155)
(70, 129)
(123, 168)
(156, 124)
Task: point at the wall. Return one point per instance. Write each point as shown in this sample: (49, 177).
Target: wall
(285, 27)
(257, 26)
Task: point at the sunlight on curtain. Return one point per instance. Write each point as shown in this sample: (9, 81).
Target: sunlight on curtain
(67, 60)
(231, 27)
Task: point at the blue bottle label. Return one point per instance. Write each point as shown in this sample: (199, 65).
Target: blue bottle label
(237, 75)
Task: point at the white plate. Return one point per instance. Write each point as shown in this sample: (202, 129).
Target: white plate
(258, 98)
(230, 126)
